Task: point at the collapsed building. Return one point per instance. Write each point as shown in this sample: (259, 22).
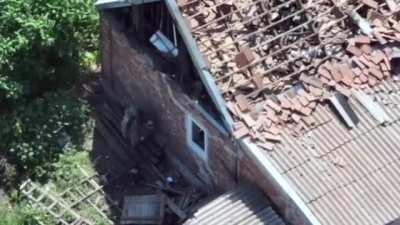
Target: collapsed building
(298, 98)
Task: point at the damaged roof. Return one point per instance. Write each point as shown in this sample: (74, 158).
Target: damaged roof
(275, 61)
(347, 176)
(315, 85)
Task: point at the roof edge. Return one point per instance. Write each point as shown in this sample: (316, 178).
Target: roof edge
(268, 169)
(200, 63)
(111, 4)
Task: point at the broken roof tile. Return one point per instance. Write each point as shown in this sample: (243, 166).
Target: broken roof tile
(306, 111)
(285, 103)
(365, 60)
(357, 62)
(334, 71)
(310, 97)
(354, 50)
(311, 81)
(250, 122)
(343, 90)
(303, 100)
(379, 37)
(267, 123)
(347, 74)
(275, 106)
(387, 62)
(362, 39)
(396, 26)
(316, 91)
(383, 66)
(245, 57)
(272, 116)
(372, 81)
(309, 121)
(243, 103)
(357, 71)
(241, 132)
(296, 117)
(258, 80)
(366, 48)
(377, 56)
(312, 105)
(266, 146)
(357, 81)
(392, 5)
(285, 116)
(376, 73)
(296, 105)
(272, 137)
(371, 3)
(274, 130)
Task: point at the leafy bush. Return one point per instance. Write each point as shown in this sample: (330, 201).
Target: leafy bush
(35, 134)
(22, 214)
(44, 44)
(67, 169)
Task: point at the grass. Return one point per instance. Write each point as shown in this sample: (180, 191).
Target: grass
(21, 214)
(67, 172)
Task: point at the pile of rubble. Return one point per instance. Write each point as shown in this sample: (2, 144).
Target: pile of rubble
(139, 175)
(276, 61)
(368, 62)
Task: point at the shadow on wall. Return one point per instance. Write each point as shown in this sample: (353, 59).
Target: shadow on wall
(129, 155)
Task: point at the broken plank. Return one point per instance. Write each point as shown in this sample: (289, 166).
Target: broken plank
(177, 211)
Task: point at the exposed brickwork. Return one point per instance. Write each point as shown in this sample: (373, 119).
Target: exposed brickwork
(128, 77)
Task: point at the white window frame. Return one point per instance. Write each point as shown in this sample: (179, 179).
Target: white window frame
(198, 150)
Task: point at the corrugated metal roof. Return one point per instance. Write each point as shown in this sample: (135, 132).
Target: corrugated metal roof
(242, 206)
(347, 176)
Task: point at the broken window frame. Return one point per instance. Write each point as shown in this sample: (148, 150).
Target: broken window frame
(195, 147)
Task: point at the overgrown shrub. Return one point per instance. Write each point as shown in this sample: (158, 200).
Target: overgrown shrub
(35, 134)
(22, 214)
(67, 170)
(44, 44)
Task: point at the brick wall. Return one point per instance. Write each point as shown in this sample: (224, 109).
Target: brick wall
(128, 77)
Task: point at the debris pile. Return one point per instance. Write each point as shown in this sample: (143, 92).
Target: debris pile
(275, 61)
(140, 176)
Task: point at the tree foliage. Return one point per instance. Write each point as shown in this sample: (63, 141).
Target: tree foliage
(22, 214)
(43, 44)
(35, 134)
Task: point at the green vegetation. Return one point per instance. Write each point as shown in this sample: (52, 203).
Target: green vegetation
(22, 214)
(44, 45)
(35, 134)
(67, 171)
(46, 48)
